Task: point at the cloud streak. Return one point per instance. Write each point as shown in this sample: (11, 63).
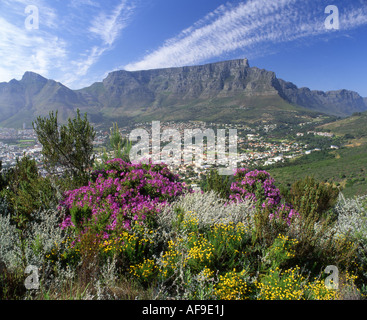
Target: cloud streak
(21, 50)
(248, 27)
(74, 39)
(62, 47)
(109, 26)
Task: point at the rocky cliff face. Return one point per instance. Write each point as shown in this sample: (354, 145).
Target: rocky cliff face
(339, 103)
(172, 85)
(203, 89)
(164, 87)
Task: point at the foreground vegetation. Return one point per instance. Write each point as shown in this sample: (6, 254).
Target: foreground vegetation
(172, 243)
(135, 231)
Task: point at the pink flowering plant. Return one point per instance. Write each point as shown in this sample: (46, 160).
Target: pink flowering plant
(259, 186)
(119, 195)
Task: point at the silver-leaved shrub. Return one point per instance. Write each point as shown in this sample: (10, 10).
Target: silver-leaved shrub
(209, 209)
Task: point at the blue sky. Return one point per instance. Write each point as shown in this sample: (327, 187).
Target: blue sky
(79, 42)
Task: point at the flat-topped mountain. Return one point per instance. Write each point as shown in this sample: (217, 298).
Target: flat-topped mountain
(228, 91)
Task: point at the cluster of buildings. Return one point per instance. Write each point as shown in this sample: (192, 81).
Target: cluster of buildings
(315, 133)
(259, 152)
(17, 143)
(252, 147)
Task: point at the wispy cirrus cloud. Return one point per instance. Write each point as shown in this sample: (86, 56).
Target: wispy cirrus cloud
(108, 26)
(79, 68)
(22, 49)
(70, 40)
(76, 38)
(248, 27)
(79, 3)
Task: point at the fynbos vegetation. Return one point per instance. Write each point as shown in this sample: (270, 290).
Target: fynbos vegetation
(117, 230)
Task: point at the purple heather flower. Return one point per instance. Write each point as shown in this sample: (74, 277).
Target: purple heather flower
(122, 193)
(259, 186)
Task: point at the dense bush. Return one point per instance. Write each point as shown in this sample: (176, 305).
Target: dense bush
(10, 253)
(120, 194)
(256, 185)
(352, 221)
(310, 197)
(213, 181)
(27, 191)
(272, 215)
(3, 182)
(135, 231)
(209, 209)
(69, 146)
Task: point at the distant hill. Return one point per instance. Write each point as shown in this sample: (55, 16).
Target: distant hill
(354, 126)
(346, 166)
(22, 101)
(228, 91)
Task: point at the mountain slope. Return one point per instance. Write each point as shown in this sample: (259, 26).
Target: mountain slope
(24, 100)
(224, 90)
(339, 103)
(228, 90)
(353, 126)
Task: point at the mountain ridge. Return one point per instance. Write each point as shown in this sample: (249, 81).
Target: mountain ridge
(226, 90)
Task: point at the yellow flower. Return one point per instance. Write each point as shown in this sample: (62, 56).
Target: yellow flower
(231, 286)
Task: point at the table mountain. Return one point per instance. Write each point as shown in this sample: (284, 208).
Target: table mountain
(228, 91)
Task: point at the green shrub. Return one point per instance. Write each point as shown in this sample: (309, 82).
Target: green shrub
(217, 183)
(352, 225)
(27, 192)
(12, 285)
(69, 146)
(10, 244)
(311, 198)
(80, 215)
(280, 285)
(279, 253)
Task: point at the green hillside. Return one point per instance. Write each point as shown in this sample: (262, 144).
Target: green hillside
(239, 109)
(353, 126)
(346, 167)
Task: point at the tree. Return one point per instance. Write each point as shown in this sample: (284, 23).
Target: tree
(69, 146)
(26, 191)
(120, 146)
